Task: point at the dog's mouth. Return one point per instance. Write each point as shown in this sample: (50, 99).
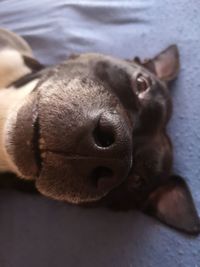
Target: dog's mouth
(27, 150)
(36, 142)
(22, 135)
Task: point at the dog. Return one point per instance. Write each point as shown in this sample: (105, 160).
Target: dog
(92, 130)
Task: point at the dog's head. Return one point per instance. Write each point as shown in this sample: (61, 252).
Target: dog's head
(93, 122)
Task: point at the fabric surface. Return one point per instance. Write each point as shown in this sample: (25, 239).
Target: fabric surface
(36, 231)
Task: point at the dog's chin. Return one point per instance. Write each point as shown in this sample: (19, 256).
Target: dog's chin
(75, 198)
(59, 180)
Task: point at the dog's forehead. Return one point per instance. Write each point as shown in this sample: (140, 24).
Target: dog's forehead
(102, 62)
(94, 64)
(118, 75)
(115, 75)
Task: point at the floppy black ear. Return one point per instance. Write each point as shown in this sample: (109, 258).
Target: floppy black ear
(173, 205)
(165, 65)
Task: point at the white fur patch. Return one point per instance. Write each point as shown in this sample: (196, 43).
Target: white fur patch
(12, 67)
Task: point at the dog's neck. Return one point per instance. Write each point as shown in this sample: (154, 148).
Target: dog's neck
(10, 99)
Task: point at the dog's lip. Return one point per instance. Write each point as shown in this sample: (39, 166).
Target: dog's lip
(35, 141)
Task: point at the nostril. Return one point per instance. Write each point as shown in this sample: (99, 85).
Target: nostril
(101, 176)
(104, 134)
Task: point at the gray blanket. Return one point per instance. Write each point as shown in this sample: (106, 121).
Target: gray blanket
(38, 232)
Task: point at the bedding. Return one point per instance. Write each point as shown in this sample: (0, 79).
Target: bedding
(35, 231)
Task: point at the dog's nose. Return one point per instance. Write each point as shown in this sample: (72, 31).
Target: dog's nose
(107, 146)
(105, 132)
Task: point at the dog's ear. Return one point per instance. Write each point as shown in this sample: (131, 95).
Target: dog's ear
(165, 65)
(173, 205)
(32, 63)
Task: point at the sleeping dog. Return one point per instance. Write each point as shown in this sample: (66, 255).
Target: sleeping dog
(92, 130)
